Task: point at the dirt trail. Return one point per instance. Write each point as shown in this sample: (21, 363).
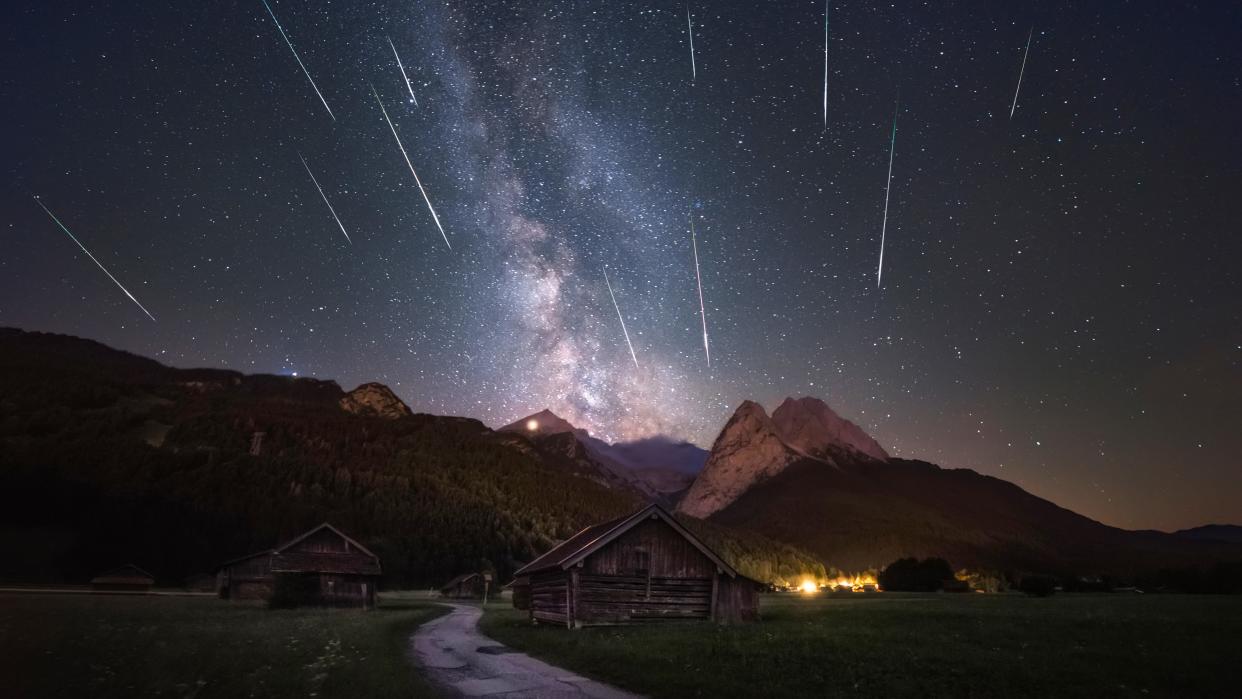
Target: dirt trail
(455, 656)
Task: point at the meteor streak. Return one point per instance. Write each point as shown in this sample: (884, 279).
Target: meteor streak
(427, 199)
(694, 73)
(892, 146)
(97, 262)
(622, 319)
(403, 75)
(299, 60)
(699, 280)
(1021, 72)
(325, 198)
(825, 64)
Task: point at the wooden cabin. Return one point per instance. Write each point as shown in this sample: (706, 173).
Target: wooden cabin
(639, 568)
(321, 567)
(467, 586)
(126, 578)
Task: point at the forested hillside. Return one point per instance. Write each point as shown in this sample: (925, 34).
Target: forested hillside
(109, 458)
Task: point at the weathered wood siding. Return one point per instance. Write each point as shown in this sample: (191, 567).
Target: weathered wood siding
(615, 599)
(737, 600)
(650, 572)
(346, 590)
(521, 593)
(324, 541)
(247, 579)
(651, 546)
(549, 597)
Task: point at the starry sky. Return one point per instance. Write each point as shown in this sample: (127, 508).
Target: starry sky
(1060, 296)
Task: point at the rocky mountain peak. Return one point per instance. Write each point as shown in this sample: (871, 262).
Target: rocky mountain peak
(810, 426)
(377, 400)
(748, 451)
(543, 422)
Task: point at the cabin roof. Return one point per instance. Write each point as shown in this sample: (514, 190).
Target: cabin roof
(247, 557)
(128, 573)
(595, 537)
(284, 560)
(281, 549)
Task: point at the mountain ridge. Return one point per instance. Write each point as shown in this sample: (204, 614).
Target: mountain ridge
(857, 512)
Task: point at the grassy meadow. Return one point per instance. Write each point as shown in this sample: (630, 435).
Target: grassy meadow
(148, 646)
(891, 644)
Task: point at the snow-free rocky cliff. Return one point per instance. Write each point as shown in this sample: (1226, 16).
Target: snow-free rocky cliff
(753, 447)
(375, 399)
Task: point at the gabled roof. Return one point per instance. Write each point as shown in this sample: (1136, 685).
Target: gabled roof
(128, 573)
(247, 557)
(281, 549)
(322, 562)
(586, 542)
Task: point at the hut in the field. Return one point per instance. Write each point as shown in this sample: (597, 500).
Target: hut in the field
(467, 586)
(321, 567)
(640, 568)
(126, 578)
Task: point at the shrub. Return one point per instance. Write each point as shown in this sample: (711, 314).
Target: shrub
(913, 575)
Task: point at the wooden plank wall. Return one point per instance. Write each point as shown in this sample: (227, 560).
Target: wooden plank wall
(651, 546)
(603, 599)
(649, 573)
(549, 597)
(324, 541)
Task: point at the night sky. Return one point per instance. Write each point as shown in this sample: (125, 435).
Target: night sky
(1060, 294)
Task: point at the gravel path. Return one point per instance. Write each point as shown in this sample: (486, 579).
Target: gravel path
(455, 656)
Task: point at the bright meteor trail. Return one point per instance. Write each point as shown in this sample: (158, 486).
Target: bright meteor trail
(299, 59)
(97, 262)
(622, 319)
(325, 198)
(699, 280)
(892, 147)
(403, 75)
(427, 199)
(825, 64)
(694, 73)
(1021, 72)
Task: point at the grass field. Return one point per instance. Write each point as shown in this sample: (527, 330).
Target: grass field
(929, 645)
(139, 646)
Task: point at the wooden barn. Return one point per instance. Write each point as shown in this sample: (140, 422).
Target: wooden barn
(127, 578)
(467, 586)
(640, 568)
(321, 567)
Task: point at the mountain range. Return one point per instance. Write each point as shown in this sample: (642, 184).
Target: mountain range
(810, 478)
(108, 457)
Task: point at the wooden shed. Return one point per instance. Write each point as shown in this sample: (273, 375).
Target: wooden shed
(467, 586)
(321, 567)
(126, 578)
(639, 568)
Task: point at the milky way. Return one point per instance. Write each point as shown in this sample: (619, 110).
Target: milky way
(1060, 301)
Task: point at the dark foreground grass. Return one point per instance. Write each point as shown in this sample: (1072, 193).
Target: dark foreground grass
(140, 646)
(932, 645)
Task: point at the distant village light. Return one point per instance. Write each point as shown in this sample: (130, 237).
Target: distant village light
(809, 586)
